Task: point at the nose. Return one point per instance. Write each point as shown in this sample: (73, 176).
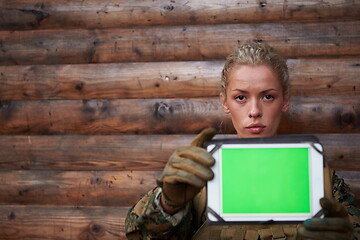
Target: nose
(255, 109)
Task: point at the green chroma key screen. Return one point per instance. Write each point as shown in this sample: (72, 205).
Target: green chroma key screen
(267, 180)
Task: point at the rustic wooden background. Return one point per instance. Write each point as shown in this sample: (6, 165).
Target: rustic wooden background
(95, 95)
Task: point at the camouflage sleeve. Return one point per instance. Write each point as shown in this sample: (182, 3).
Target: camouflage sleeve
(343, 194)
(147, 220)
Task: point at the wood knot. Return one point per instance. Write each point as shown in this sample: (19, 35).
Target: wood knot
(96, 180)
(96, 42)
(262, 4)
(93, 231)
(97, 229)
(39, 15)
(348, 119)
(161, 110)
(79, 86)
(12, 216)
(95, 108)
(4, 104)
(169, 7)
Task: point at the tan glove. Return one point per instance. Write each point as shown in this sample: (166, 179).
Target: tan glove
(334, 226)
(187, 171)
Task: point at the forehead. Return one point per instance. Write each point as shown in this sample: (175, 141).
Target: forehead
(253, 76)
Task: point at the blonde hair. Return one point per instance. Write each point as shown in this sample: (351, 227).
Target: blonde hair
(256, 53)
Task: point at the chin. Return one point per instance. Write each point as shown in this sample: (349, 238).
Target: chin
(254, 135)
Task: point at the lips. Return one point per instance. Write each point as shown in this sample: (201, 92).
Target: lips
(255, 128)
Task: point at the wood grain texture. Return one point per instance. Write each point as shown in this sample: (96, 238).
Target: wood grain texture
(20, 14)
(62, 222)
(77, 188)
(341, 151)
(133, 152)
(202, 42)
(305, 116)
(84, 152)
(164, 79)
(126, 116)
(121, 80)
(319, 114)
(96, 95)
(312, 77)
(85, 188)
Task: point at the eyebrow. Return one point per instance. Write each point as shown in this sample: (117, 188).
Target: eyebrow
(265, 91)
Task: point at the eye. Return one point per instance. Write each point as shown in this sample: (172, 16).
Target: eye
(240, 98)
(269, 97)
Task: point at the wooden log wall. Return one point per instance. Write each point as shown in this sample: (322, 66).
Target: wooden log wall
(95, 95)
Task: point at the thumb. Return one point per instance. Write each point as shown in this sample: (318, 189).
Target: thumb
(332, 208)
(204, 136)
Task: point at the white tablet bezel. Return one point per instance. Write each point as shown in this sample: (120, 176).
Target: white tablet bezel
(316, 184)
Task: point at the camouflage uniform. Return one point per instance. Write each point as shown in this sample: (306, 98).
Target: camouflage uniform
(343, 195)
(146, 219)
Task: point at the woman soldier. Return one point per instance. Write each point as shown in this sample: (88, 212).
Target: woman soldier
(255, 93)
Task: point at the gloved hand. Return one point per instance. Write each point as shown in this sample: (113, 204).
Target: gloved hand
(334, 226)
(187, 171)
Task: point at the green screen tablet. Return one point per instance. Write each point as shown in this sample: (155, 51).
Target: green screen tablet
(262, 180)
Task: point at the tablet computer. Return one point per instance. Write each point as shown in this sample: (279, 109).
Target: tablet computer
(265, 179)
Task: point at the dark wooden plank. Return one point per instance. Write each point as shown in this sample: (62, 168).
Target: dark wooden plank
(340, 113)
(164, 79)
(122, 80)
(127, 116)
(62, 222)
(20, 14)
(324, 77)
(341, 151)
(78, 188)
(95, 152)
(69, 222)
(82, 188)
(293, 40)
(133, 152)
(319, 114)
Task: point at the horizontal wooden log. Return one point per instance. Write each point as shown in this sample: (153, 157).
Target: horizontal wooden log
(324, 77)
(82, 152)
(164, 79)
(122, 80)
(341, 151)
(62, 222)
(83, 188)
(322, 114)
(307, 116)
(127, 116)
(20, 14)
(293, 40)
(133, 152)
(77, 188)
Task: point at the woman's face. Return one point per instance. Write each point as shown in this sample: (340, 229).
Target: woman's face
(254, 98)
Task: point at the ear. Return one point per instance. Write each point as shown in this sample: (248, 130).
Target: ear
(286, 104)
(223, 103)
